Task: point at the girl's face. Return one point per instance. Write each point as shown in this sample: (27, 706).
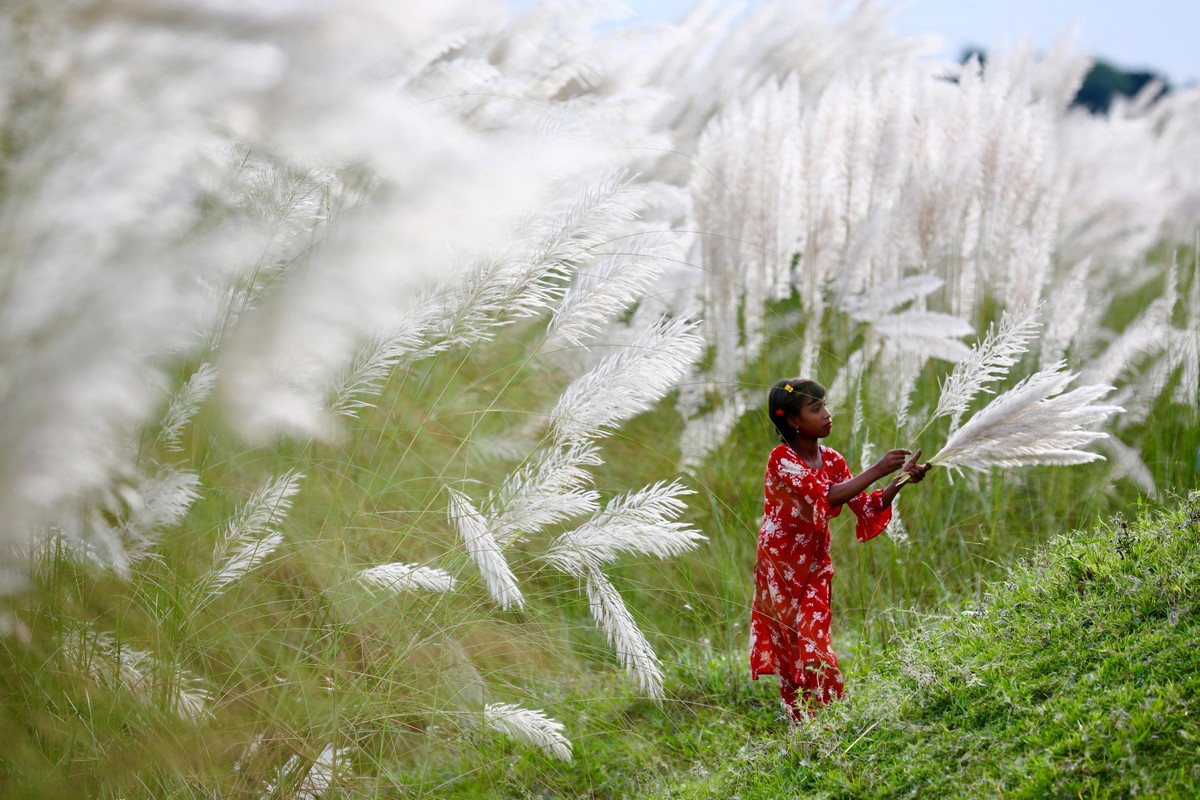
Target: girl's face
(813, 422)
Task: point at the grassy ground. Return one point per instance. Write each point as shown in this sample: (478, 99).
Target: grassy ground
(1075, 676)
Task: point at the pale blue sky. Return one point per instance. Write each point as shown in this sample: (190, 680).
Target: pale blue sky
(1163, 35)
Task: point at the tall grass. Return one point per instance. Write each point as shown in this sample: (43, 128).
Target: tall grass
(403, 378)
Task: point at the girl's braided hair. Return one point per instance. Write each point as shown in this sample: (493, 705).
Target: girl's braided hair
(788, 398)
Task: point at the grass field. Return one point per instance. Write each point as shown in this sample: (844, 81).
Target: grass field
(1073, 675)
(353, 362)
(298, 654)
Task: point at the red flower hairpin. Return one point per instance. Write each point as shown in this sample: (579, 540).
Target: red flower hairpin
(779, 412)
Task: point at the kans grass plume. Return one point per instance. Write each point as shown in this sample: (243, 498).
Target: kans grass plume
(114, 664)
(1033, 423)
(987, 363)
(530, 726)
(251, 535)
(481, 545)
(400, 577)
(633, 650)
(627, 382)
(639, 522)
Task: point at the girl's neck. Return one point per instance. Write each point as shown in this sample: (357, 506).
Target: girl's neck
(808, 449)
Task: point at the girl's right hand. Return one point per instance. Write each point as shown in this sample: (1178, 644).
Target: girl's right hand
(914, 471)
(892, 460)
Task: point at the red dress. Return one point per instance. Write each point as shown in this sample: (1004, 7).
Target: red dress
(789, 624)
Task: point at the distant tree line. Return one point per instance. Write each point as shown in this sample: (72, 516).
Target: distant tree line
(1103, 82)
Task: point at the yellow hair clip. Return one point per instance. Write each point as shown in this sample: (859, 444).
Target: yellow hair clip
(787, 386)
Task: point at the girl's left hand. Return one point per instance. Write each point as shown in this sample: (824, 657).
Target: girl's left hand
(914, 471)
(892, 460)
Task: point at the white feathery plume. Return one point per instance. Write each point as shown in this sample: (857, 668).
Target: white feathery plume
(810, 344)
(266, 507)
(185, 403)
(897, 530)
(530, 726)
(1187, 392)
(249, 537)
(1127, 463)
(928, 333)
(189, 696)
(375, 362)
(887, 297)
(1065, 312)
(321, 775)
(484, 551)
(988, 362)
(527, 281)
(857, 417)
(552, 488)
(419, 158)
(399, 577)
(901, 369)
(165, 500)
(115, 665)
(243, 556)
(251, 750)
(1032, 423)
(627, 382)
(1139, 396)
(601, 293)
(624, 636)
(90, 538)
(282, 775)
(588, 220)
(493, 293)
(454, 77)
(850, 375)
(704, 433)
(637, 522)
(142, 511)
(1146, 336)
(516, 285)
(1179, 355)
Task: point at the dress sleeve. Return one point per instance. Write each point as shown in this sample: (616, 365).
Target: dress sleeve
(872, 516)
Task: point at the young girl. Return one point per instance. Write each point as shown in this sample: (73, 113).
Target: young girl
(806, 485)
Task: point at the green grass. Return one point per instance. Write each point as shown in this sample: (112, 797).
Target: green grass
(297, 655)
(1077, 675)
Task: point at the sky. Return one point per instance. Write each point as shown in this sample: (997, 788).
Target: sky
(1160, 35)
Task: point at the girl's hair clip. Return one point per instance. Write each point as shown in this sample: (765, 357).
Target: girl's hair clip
(779, 412)
(788, 387)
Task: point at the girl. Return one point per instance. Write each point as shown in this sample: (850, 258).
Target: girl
(806, 485)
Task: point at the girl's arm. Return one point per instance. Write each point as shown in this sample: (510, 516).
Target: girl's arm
(892, 460)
